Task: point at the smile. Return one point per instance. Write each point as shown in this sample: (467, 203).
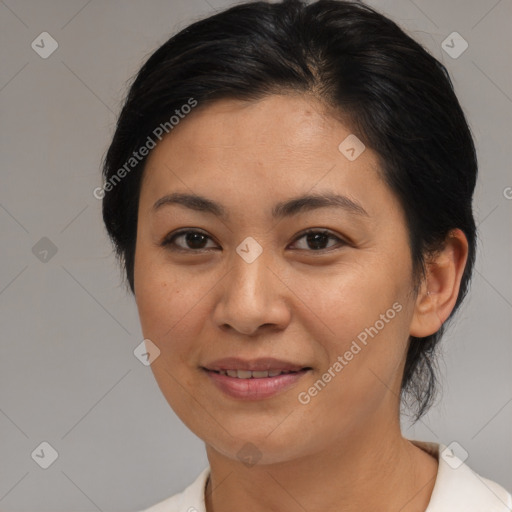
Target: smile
(246, 374)
(254, 385)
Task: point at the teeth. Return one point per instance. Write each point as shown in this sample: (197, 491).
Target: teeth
(260, 374)
(247, 374)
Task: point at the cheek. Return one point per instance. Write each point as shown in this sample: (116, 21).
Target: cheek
(162, 299)
(169, 309)
(174, 306)
(166, 308)
(364, 321)
(348, 299)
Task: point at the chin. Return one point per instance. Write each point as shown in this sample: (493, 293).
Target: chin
(265, 444)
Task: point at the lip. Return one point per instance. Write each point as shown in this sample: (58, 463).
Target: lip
(260, 364)
(255, 388)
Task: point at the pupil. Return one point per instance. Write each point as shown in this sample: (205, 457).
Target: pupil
(194, 240)
(315, 239)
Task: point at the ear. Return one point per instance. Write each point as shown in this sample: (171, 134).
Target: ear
(439, 290)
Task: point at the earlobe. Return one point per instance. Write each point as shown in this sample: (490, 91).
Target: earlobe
(439, 290)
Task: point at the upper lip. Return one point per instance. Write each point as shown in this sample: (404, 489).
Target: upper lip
(260, 364)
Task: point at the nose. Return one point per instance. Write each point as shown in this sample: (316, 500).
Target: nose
(252, 297)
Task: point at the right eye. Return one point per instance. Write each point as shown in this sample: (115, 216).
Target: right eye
(192, 240)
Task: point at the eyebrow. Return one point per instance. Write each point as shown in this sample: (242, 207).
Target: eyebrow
(283, 209)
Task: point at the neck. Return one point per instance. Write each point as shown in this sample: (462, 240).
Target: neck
(370, 472)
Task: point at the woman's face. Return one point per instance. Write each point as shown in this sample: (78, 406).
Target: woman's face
(250, 285)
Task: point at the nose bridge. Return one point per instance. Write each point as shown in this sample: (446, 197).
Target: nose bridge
(252, 293)
(249, 276)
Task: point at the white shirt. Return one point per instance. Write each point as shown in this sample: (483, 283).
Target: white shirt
(457, 489)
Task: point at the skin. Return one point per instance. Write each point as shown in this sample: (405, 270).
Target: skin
(344, 450)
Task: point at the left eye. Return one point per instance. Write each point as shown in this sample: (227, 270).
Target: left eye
(318, 238)
(195, 240)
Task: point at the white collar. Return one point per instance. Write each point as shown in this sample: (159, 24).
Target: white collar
(457, 488)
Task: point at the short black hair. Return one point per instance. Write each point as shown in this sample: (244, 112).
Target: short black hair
(393, 93)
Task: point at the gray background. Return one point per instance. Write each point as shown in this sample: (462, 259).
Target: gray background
(68, 374)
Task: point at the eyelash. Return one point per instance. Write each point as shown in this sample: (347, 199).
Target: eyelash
(169, 241)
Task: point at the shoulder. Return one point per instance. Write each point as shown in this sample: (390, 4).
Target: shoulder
(191, 499)
(460, 489)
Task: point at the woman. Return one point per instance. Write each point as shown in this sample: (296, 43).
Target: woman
(289, 190)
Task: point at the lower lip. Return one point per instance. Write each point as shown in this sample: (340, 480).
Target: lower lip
(255, 389)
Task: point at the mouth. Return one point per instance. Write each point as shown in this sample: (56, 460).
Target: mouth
(259, 374)
(255, 384)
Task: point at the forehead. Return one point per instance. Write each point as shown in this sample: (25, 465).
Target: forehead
(275, 128)
(279, 147)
